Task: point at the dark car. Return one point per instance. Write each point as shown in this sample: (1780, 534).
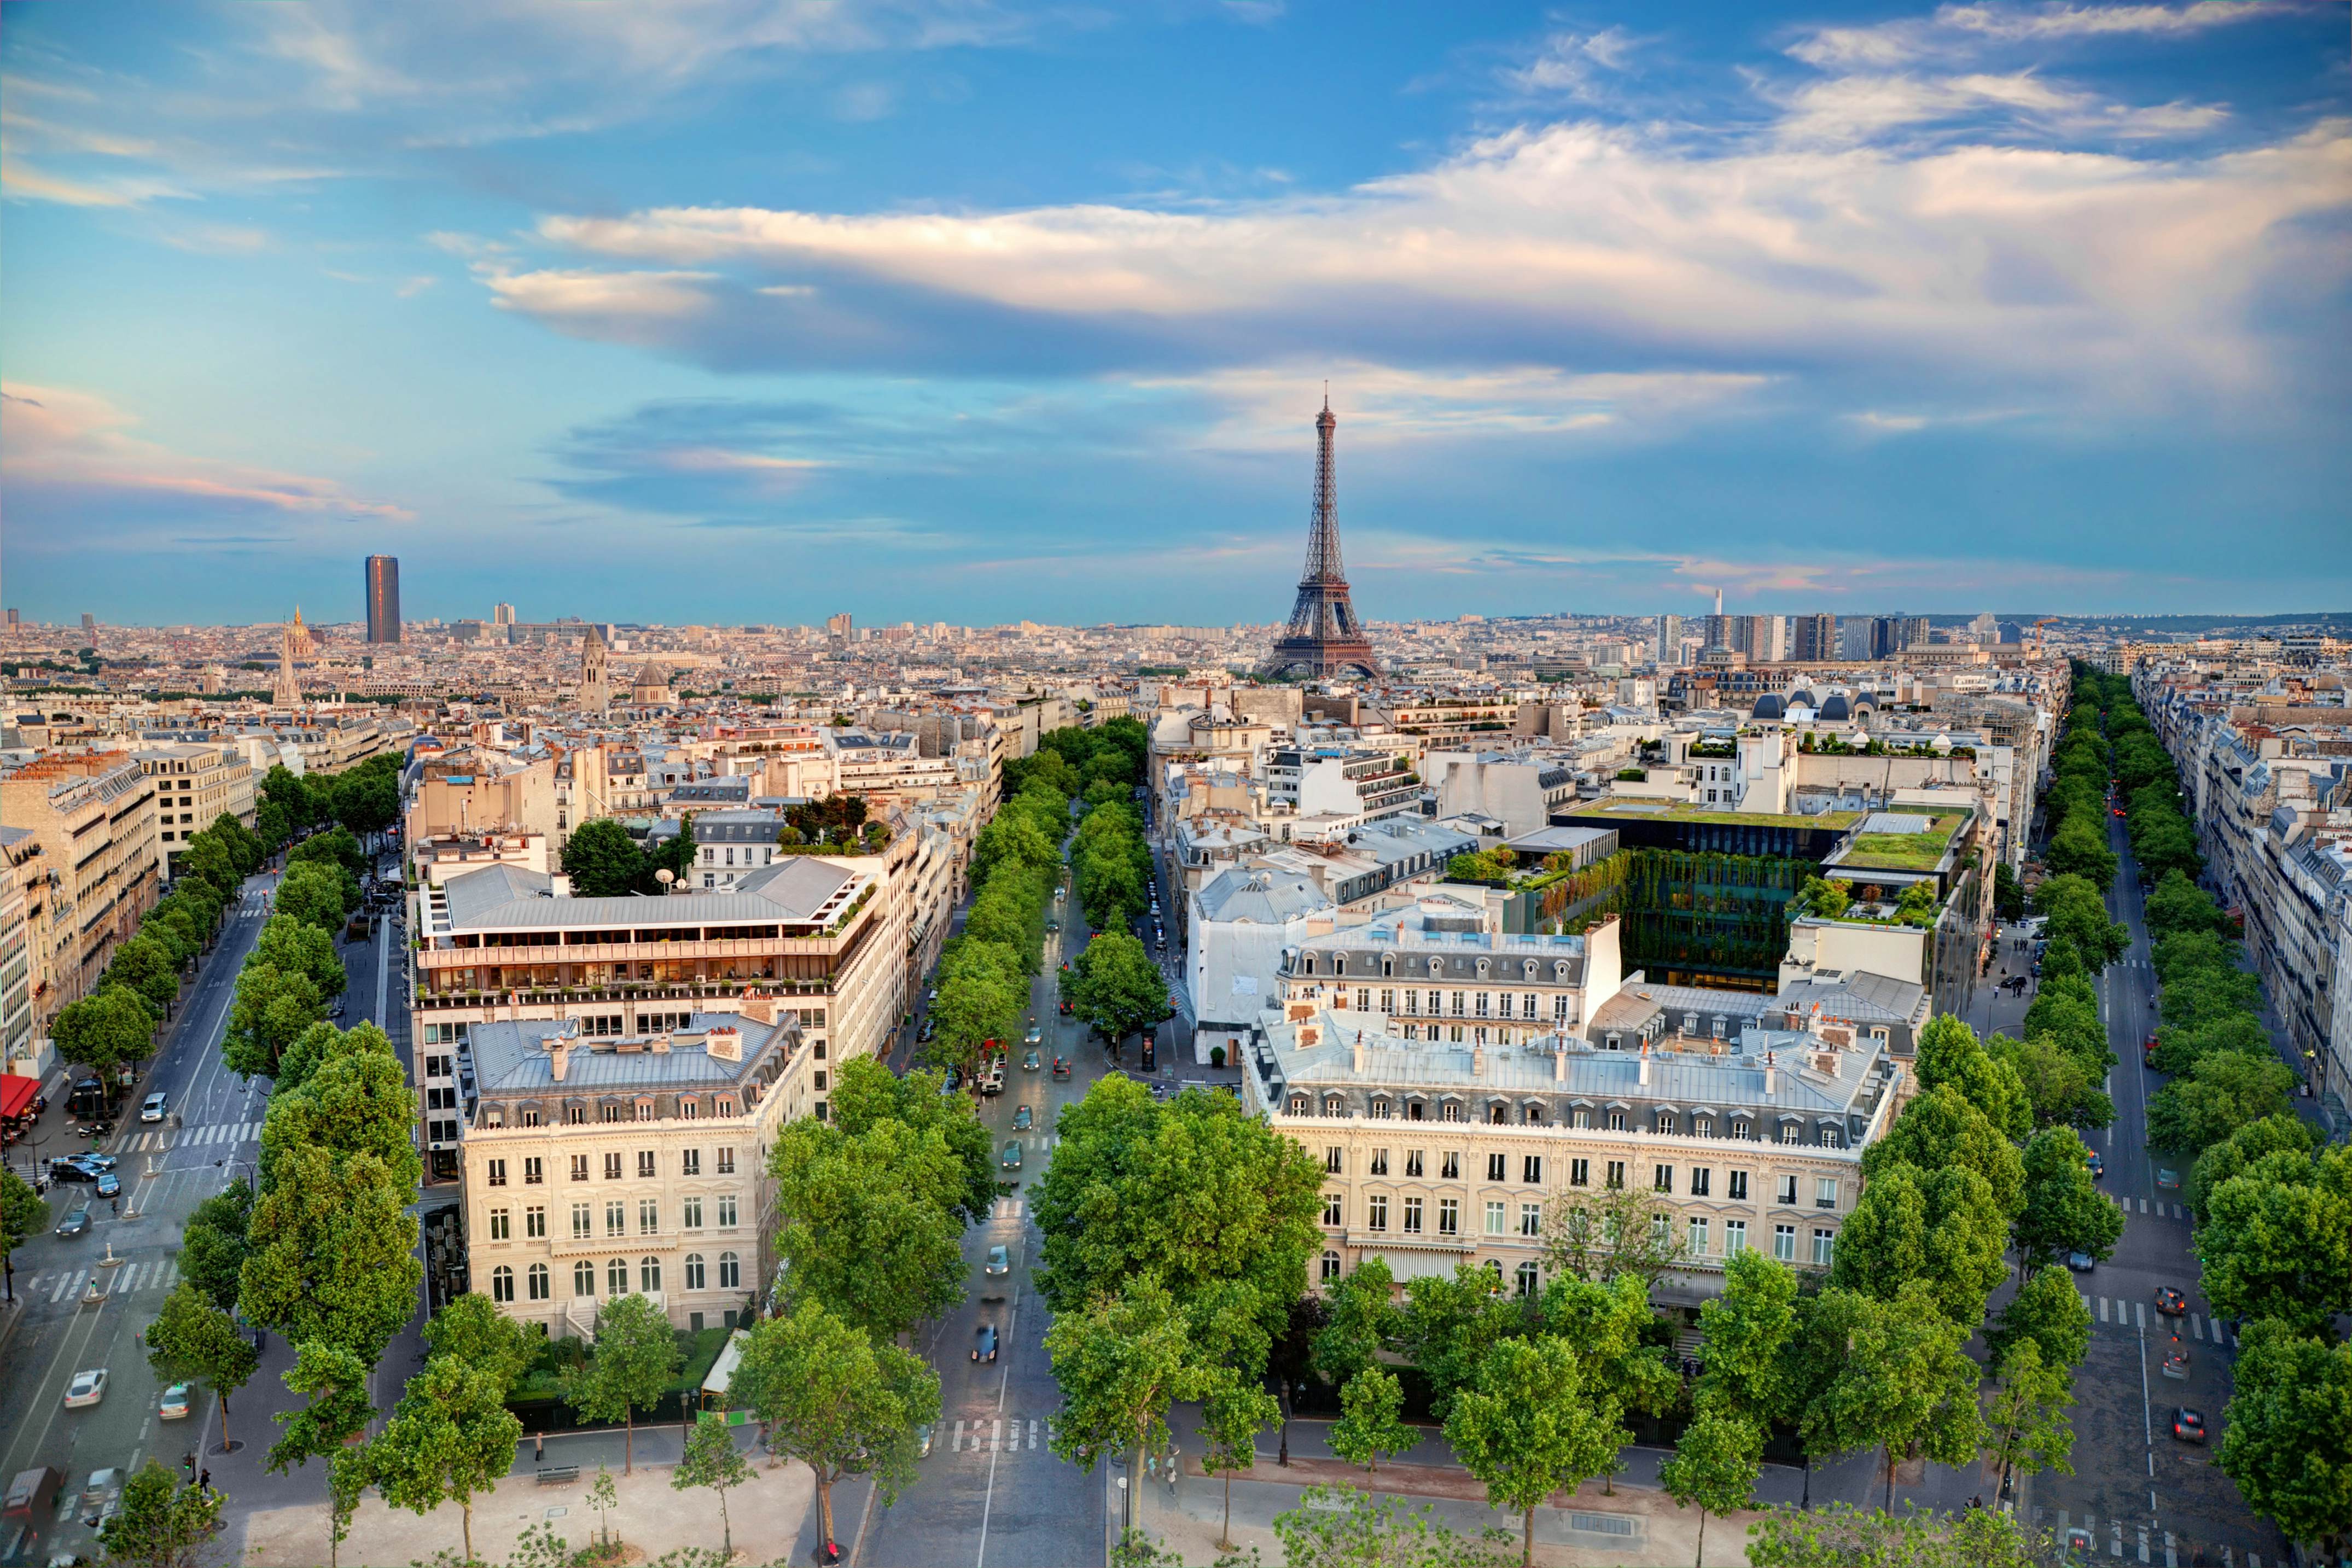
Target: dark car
(1061, 1067)
(1023, 1119)
(2187, 1426)
(984, 1343)
(75, 1222)
(2171, 1302)
(2098, 1166)
(71, 1170)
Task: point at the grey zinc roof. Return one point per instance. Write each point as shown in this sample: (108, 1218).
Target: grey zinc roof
(500, 896)
(511, 1058)
(1263, 897)
(1859, 996)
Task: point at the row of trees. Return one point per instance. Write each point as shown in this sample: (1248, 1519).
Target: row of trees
(2074, 807)
(2163, 838)
(985, 972)
(1089, 765)
(364, 798)
(604, 862)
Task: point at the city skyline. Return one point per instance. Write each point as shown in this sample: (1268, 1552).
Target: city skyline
(970, 315)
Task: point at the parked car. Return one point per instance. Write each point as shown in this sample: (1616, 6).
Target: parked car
(2187, 1426)
(86, 1389)
(2171, 1302)
(94, 1161)
(984, 1343)
(175, 1403)
(1012, 1160)
(75, 1222)
(1023, 1119)
(1000, 1261)
(102, 1487)
(151, 1108)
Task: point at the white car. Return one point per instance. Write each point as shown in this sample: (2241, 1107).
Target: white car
(175, 1403)
(86, 1389)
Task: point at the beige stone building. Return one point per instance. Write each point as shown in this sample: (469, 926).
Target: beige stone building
(195, 785)
(95, 816)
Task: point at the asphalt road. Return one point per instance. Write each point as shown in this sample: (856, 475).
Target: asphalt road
(990, 1491)
(2141, 1494)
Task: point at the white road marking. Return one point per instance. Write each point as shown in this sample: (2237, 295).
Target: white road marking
(2196, 1327)
(2103, 1309)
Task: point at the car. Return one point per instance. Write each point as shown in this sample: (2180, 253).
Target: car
(86, 1389)
(2176, 1365)
(109, 1185)
(2081, 1263)
(1052, 926)
(1012, 1160)
(934, 995)
(75, 1222)
(1066, 1009)
(1035, 1036)
(923, 1442)
(2187, 1426)
(1000, 1261)
(1031, 1061)
(2167, 1180)
(994, 1083)
(151, 1108)
(175, 1403)
(69, 1170)
(95, 1161)
(984, 1343)
(2170, 1302)
(1061, 1067)
(2098, 1166)
(1023, 1119)
(103, 1489)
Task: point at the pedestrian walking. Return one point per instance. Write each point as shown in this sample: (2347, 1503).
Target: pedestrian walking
(204, 1481)
(538, 1447)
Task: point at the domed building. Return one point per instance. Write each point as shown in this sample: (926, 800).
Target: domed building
(1835, 709)
(1770, 706)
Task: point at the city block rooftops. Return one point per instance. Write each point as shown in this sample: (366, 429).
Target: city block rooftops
(801, 890)
(1440, 939)
(1346, 1064)
(518, 1061)
(1260, 895)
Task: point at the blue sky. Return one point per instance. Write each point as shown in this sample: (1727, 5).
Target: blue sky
(945, 309)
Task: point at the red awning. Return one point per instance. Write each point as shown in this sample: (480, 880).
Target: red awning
(17, 1094)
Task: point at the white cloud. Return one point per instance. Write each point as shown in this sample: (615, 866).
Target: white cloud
(1956, 29)
(1564, 63)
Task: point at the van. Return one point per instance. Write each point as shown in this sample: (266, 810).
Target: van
(33, 1496)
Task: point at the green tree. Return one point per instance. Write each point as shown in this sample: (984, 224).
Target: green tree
(1748, 1330)
(1949, 1053)
(2271, 1135)
(2279, 1244)
(2289, 1443)
(163, 1524)
(710, 1460)
(356, 1100)
(603, 861)
(1938, 1229)
(149, 967)
(289, 943)
(333, 1255)
(1714, 1468)
(1121, 1362)
(450, 1439)
(2048, 1311)
(867, 1095)
(1608, 1326)
(106, 1032)
(1448, 1324)
(338, 1410)
(313, 893)
(2223, 1091)
(1371, 1421)
(1116, 987)
(2063, 1212)
(1231, 1420)
(604, 1498)
(1342, 1527)
(838, 1400)
(2076, 906)
(2026, 1427)
(24, 1214)
(1844, 1536)
(872, 1225)
(634, 1358)
(2007, 896)
(1195, 1193)
(1941, 1131)
(2061, 1090)
(471, 1328)
(1600, 1233)
(1533, 1425)
(983, 990)
(1901, 1382)
(270, 1010)
(1362, 1320)
(2179, 904)
(193, 1340)
(213, 1244)
(208, 860)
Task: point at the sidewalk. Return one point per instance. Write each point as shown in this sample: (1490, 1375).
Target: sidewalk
(775, 1515)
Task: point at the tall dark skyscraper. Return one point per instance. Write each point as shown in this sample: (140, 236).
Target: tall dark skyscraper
(1324, 637)
(382, 598)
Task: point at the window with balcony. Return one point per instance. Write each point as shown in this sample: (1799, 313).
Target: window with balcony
(580, 1168)
(1702, 1182)
(689, 1162)
(645, 1163)
(613, 1166)
(1380, 1161)
(534, 1171)
(1412, 1162)
(727, 1162)
(1739, 1189)
(494, 1172)
(1662, 1178)
(1494, 1166)
(1825, 1192)
(1614, 1176)
(1449, 1166)
(1334, 1159)
(1785, 1191)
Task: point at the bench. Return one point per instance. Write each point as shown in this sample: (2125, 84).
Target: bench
(559, 1475)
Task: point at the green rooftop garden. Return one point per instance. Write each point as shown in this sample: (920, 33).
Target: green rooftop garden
(1684, 811)
(1903, 852)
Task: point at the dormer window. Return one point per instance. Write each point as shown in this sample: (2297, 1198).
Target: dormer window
(1702, 1126)
(1667, 1122)
(1436, 966)
(1560, 969)
(1333, 1105)
(1339, 964)
(1482, 968)
(1530, 971)
(1388, 964)
(645, 1110)
(1298, 1104)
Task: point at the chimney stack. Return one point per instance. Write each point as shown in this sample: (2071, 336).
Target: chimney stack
(1770, 1076)
(1360, 1051)
(1645, 1064)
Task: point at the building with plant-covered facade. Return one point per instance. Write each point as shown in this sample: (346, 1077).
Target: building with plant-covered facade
(1436, 1153)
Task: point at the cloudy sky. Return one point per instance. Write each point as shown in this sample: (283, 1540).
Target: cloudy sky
(751, 310)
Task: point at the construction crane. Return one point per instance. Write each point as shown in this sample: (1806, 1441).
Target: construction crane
(2038, 625)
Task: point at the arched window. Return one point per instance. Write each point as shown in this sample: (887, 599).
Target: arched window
(1495, 1268)
(731, 1272)
(584, 1278)
(1339, 964)
(694, 1276)
(1527, 1280)
(1330, 1267)
(1387, 963)
(503, 1283)
(1482, 968)
(649, 1275)
(539, 1282)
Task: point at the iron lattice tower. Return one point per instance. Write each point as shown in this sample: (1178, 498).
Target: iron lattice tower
(1324, 638)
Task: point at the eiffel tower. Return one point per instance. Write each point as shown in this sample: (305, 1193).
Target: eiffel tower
(1324, 638)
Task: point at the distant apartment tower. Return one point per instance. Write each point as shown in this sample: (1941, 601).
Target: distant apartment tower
(1813, 637)
(1763, 638)
(12, 618)
(382, 598)
(1670, 641)
(839, 626)
(502, 614)
(88, 624)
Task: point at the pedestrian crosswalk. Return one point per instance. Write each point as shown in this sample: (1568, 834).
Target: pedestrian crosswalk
(158, 1140)
(994, 1434)
(1008, 1208)
(2120, 1314)
(129, 1280)
(2107, 1537)
(2161, 1208)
